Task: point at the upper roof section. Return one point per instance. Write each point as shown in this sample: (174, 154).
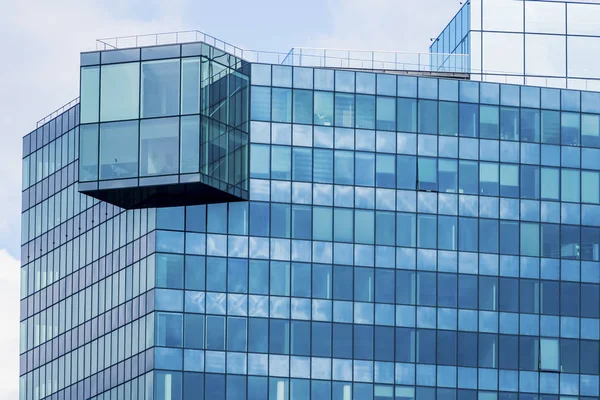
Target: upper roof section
(551, 43)
(425, 63)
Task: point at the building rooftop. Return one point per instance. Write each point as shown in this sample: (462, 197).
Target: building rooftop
(428, 63)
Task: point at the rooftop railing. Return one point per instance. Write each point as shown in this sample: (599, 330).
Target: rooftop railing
(303, 57)
(57, 112)
(377, 60)
(157, 39)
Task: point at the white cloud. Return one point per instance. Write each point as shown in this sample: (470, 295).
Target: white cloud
(386, 25)
(9, 334)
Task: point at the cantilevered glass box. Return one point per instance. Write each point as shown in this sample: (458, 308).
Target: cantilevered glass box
(164, 126)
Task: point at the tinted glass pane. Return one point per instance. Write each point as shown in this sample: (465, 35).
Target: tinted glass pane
(119, 150)
(119, 91)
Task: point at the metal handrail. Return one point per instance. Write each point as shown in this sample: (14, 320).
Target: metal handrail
(164, 38)
(300, 56)
(57, 112)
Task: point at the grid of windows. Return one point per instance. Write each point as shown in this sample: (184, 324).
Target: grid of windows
(405, 238)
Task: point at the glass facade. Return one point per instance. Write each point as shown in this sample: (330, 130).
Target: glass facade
(534, 42)
(167, 121)
(404, 238)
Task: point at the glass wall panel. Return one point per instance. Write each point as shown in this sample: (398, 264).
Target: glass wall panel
(119, 150)
(407, 115)
(428, 121)
(119, 91)
(90, 94)
(448, 116)
(323, 113)
(88, 153)
(160, 88)
(190, 85)
(159, 146)
(190, 144)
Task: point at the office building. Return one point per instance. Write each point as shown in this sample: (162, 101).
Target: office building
(211, 223)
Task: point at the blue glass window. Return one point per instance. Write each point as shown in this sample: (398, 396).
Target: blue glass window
(405, 345)
(448, 116)
(323, 113)
(550, 127)
(529, 296)
(301, 164)
(407, 171)
(344, 167)
(321, 281)
(342, 340)
(215, 332)
(280, 220)
(216, 274)
(344, 110)
(489, 122)
(365, 169)
(530, 125)
(468, 177)
(119, 150)
(363, 342)
(301, 280)
(363, 284)
(322, 346)
(407, 115)
(549, 297)
(469, 120)
(237, 272)
(258, 334)
(447, 290)
(194, 272)
(300, 338)
(385, 171)
(342, 282)
(169, 271)
(323, 166)
(426, 225)
(384, 341)
(386, 113)
(447, 175)
(160, 88)
(467, 349)
(260, 105)
(406, 230)
(385, 228)
(303, 107)
(427, 174)
(365, 112)
(281, 105)
(278, 336)
(509, 123)
(570, 128)
(259, 277)
(488, 239)
(428, 119)
(280, 278)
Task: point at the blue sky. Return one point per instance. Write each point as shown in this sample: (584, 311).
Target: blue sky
(41, 42)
